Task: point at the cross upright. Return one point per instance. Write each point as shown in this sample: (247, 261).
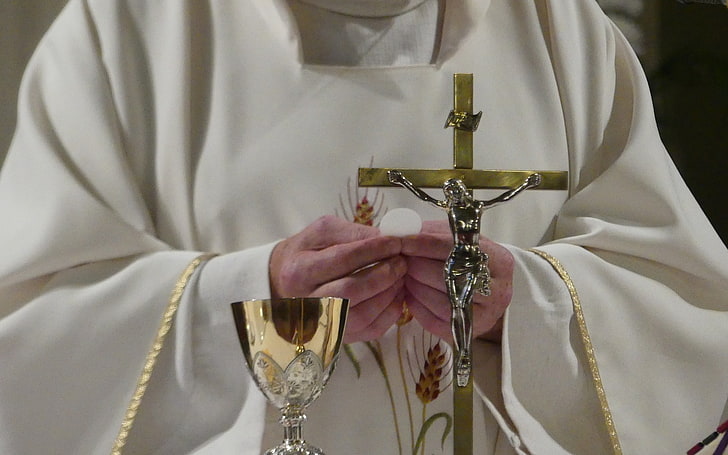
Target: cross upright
(464, 123)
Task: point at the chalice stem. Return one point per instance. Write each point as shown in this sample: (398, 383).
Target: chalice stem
(292, 419)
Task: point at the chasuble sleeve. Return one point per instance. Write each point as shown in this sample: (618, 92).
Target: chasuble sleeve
(614, 341)
(86, 276)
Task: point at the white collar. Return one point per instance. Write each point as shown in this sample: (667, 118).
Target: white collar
(460, 18)
(366, 8)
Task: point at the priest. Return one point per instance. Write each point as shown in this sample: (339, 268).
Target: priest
(174, 156)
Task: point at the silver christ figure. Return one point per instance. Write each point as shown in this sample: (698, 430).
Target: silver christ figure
(466, 268)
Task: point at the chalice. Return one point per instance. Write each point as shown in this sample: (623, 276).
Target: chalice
(291, 346)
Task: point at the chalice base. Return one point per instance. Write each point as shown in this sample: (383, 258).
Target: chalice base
(295, 448)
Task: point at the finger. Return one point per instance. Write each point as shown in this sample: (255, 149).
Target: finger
(365, 313)
(428, 304)
(429, 321)
(427, 245)
(316, 268)
(485, 318)
(435, 302)
(501, 261)
(378, 328)
(501, 292)
(367, 282)
(487, 310)
(427, 271)
(359, 254)
(436, 227)
(330, 230)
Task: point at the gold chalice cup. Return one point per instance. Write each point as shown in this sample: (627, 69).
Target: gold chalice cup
(291, 346)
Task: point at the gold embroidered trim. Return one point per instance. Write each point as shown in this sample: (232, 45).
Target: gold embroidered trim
(151, 359)
(589, 348)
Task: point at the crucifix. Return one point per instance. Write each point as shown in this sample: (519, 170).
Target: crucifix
(466, 269)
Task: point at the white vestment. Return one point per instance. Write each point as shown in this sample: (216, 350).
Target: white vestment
(152, 131)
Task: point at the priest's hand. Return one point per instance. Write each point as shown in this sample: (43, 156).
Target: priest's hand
(426, 294)
(336, 258)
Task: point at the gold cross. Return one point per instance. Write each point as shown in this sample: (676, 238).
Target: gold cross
(464, 123)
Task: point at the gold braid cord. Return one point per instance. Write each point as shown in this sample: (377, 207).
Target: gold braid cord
(151, 359)
(589, 348)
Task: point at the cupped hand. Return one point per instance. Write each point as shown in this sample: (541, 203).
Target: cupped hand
(336, 258)
(426, 294)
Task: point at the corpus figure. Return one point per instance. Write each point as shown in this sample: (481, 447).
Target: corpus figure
(466, 269)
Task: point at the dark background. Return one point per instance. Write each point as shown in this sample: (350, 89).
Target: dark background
(689, 82)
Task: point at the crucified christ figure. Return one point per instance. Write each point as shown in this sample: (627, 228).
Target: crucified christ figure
(466, 268)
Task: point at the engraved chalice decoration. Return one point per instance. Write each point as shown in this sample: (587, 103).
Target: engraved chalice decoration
(290, 347)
